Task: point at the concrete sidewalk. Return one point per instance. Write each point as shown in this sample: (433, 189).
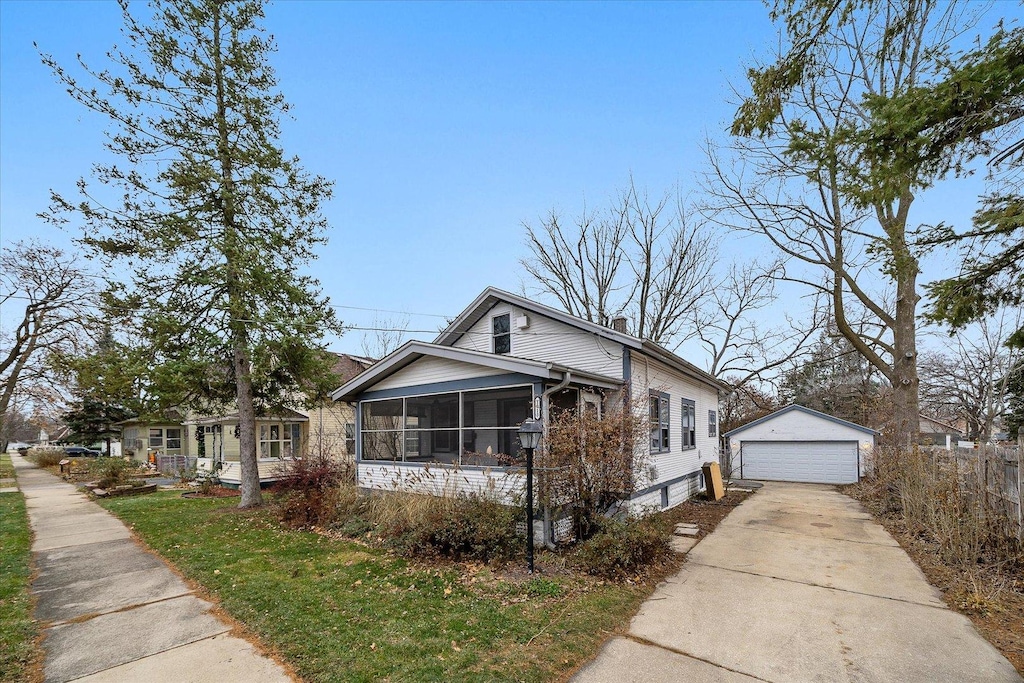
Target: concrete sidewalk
(110, 610)
(798, 584)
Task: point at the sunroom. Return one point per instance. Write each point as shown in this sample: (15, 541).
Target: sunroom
(434, 418)
(468, 428)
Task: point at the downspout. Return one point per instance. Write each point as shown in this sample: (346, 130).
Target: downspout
(545, 400)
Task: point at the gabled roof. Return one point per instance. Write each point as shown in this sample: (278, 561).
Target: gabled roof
(414, 350)
(940, 423)
(491, 296)
(802, 409)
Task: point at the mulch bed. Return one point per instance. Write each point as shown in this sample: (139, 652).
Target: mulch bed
(992, 597)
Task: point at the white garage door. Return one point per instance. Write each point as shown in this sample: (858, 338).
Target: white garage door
(821, 462)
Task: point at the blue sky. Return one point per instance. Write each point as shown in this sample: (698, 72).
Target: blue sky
(444, 126)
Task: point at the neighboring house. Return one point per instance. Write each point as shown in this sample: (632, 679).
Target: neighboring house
(802, 445)
(936, 433)
(442, 416)
(147, 440)
(327, 429)
(57, 434)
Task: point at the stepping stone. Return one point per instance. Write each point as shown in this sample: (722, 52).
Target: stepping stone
(686, 530)
(683, 545)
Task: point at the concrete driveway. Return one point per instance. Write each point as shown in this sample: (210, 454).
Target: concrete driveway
(798, 584)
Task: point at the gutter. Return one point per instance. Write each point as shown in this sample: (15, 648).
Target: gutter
(545, 400)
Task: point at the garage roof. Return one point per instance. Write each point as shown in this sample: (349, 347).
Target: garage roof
(801, 409)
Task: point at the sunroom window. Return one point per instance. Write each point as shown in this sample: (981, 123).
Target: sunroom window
(469, 427)
(280, 440)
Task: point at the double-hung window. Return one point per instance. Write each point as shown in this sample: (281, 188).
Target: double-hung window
(712, 424)
(501, 331)
(173, 439)
(689, 413)
(350, 438)
(659, 422)
(156, 438)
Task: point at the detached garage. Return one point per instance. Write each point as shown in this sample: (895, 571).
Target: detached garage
(802, 445)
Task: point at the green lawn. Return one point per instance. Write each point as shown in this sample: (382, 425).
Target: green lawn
(17, 631)
(338, 611)
(6, 468)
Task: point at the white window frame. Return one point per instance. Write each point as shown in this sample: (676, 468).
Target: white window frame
(288, 447)
(688, 435)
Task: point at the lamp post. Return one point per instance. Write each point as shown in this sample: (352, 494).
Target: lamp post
(529, 437)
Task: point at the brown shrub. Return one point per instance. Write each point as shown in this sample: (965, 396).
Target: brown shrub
(313, 489)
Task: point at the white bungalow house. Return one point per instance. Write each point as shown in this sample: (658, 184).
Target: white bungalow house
(443, 416)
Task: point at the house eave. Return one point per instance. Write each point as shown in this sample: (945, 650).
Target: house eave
(412, 351)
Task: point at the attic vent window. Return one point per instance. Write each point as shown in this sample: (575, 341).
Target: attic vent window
(501, 329)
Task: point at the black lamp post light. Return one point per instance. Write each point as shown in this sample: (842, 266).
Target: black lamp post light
(530, 433)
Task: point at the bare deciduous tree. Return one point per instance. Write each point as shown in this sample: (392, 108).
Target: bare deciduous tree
(55, 295)
(386, 335)
(800, 177)
(969, 380)
(641, 259)
(738, 344)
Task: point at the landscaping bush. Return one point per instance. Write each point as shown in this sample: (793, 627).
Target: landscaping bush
(590, 463)
(462, 527)
(624, 548)
(315, 491)
(46, 457)
(941, 498)
(111, 472)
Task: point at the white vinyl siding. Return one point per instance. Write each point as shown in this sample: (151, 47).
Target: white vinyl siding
(429, 370)
(651, 375)
(440, 480)
(548, 341)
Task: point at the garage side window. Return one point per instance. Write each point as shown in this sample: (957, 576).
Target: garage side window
(659, 422)
(689, 424)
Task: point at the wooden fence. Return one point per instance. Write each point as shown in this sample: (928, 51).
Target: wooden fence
(993, 474)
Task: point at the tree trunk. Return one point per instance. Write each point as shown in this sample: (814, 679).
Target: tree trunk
(906, 419)
(905, 382)
(251, 494)
(250, 477)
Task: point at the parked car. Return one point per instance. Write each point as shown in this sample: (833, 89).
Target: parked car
(81, 452)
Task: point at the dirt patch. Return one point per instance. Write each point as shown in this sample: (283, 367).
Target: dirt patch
(706, 514)
(992, 597)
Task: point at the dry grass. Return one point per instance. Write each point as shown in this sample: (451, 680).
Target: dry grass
(960, 537)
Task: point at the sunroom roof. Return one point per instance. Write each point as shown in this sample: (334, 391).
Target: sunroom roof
(414, 350)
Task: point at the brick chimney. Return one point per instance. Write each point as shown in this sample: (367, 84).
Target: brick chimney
(619, 325)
